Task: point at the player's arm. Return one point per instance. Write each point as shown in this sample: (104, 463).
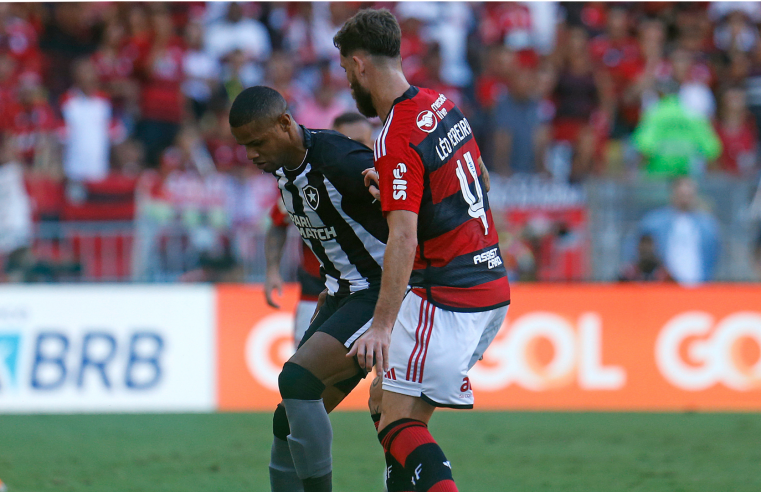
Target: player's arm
(274, 244)
(400, 252)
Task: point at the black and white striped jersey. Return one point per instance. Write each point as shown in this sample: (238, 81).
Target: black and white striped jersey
(336, 216)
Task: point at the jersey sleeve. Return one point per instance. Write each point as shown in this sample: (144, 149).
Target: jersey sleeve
(278, 215)
(400, 170)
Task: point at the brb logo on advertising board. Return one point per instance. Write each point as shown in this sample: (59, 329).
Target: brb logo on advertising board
(541, 351)
(52, 360)
(110, 348)
(695, 351)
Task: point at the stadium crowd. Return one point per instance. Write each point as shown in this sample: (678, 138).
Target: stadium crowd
(104, 102)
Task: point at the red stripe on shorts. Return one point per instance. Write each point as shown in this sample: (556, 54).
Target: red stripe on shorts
(428, 339)
(426, 324)
(417, 338)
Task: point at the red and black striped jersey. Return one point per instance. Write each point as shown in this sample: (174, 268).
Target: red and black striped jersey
(427, 161)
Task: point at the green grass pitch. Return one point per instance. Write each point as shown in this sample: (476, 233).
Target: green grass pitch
(489, 451)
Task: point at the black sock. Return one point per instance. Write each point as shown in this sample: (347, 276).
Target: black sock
(319, 484)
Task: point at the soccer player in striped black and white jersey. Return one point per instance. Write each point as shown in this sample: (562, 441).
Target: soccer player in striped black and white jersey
(319, 174)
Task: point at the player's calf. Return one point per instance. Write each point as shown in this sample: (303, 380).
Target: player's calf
(408, 443)
(283, 476)
(311, 435)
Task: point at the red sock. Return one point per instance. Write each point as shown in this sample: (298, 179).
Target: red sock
(409, 442)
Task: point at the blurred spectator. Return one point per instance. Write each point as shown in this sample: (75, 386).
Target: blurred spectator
(736, 30)
(159, 68)
(520, 135)
(114, 62)
(429, 75)
(320, 110)
(647, 267)
(15, 207)
(753, 86)
(693, 80)
(673, 140)
(202, 70)
(583, 99)
(737, 133)
(355, 126)
(32, 124)
(236, 32)
(87, 119)
(492, 84)
(640, 75)
(686, 237)
(280, 76)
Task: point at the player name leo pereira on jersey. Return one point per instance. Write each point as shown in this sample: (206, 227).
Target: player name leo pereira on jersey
(426, 158)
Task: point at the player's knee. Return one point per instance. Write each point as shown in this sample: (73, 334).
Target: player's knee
(376, 395)
(297, 383)
(280, 426)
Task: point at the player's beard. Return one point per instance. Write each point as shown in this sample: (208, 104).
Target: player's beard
(364, 100)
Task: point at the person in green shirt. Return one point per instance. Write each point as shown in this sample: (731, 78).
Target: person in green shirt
(673, 140)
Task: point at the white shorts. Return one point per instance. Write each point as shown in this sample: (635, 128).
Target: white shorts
(304, 313)
(433, 349)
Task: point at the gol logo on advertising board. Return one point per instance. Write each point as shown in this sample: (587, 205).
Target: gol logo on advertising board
(716, 351)
(517, 355)
(268, 346)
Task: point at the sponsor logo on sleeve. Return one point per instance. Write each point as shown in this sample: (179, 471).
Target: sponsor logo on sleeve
(399, 184)
(427, 121)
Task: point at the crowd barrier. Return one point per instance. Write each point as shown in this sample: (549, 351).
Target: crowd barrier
(146, 348)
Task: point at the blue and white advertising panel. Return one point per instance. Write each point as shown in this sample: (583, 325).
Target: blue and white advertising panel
(107, 348)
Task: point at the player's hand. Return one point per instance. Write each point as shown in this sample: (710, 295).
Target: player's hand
(372, 347)
(372, 181)
(320, 301)
(273, 281)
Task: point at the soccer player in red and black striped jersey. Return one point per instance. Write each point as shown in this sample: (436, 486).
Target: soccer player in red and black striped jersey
(442, 243)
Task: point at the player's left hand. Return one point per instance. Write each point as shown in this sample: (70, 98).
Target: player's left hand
(372, 348)
(372, 181)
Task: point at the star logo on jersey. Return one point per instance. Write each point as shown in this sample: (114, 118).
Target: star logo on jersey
(427, 121)
(312, 197)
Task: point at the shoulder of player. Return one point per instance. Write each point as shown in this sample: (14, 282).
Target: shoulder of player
(414, 118)
(329, 145)
(333, 152)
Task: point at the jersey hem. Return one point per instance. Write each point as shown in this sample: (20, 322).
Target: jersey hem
(461, 309)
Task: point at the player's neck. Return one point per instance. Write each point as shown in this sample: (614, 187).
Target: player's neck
(390, 86)
(299, 150)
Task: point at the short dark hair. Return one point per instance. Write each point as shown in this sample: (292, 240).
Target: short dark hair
(375, 31)
(348, 119)
(256, 103)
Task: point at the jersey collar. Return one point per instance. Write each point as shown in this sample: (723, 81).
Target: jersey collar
(308, 143)
(408, 94)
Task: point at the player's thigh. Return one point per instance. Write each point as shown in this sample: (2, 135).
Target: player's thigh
(325, 357)
(493, 321)
(395, 406)
(430, 353)
(338, 324)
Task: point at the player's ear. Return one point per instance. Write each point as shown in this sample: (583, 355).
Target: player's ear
(360, 62)
(285, 121)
